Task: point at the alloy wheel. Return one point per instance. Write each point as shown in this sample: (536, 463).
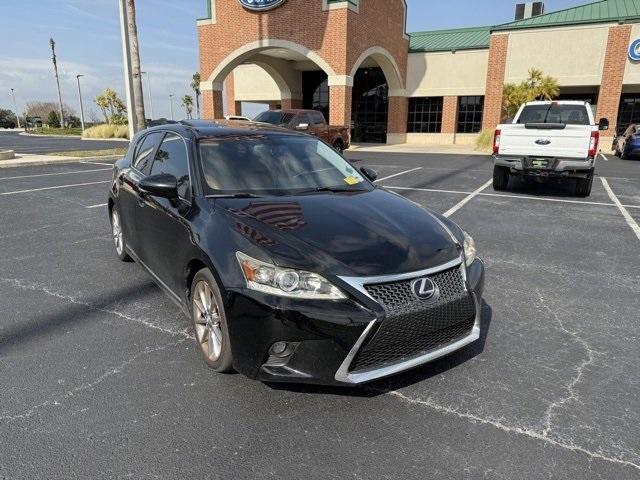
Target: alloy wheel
(116, 229)
(206, 317)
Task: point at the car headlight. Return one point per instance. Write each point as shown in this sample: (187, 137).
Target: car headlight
(470, 251)
(285, 282)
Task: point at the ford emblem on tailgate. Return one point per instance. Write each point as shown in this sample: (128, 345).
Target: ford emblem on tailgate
(543, 141)
(260, 5)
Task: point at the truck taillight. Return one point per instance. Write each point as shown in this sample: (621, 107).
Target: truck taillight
(593, 144)
(496, 142)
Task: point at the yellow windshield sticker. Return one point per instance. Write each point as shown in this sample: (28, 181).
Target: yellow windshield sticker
(350, 180)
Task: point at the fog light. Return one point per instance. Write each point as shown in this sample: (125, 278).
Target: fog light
(281, 349)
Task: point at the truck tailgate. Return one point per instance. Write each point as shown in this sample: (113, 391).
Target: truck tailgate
(569, 142)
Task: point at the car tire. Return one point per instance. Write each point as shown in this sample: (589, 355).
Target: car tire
(583, 186)
(500, 178)
(338, 146)
(210, 322)
(623, 155)
(117, 234)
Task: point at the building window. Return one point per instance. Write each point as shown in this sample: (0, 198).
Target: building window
(470, 114)
(315, 92)
(629, 112)
(425, 115)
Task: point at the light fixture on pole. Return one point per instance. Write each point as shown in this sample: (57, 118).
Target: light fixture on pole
(80, 97)
(171, 104)
(149, 92)
(15, 107)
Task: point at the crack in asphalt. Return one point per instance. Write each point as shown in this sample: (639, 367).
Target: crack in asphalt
(537, 435)
(24, 285)
(89, 385)
(591, 354)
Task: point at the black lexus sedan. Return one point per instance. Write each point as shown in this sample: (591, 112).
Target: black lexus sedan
(292, 264)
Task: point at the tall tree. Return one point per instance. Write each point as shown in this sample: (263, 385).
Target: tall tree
(537, 86)
(195, 85)
(187, 103)
(140, 118)
(52, 44)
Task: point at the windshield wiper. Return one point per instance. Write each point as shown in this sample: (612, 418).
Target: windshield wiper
(331, 189)
(235, 195)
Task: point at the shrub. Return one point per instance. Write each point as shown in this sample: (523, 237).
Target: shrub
(484, 141)
(53, 121)
(107, 131)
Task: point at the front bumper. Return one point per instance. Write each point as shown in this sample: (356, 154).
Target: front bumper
(324, 337)
(547, 166)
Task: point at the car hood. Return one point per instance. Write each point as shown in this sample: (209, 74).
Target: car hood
(357, 234)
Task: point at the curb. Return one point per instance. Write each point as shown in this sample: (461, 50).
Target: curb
(48, 136)
(105, 139)
(47, 161)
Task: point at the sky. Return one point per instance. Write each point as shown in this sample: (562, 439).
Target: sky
(87, 36)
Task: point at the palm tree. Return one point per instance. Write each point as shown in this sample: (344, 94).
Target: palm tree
(187, 103)
(52, 44)
(140, 118)
(195, 86)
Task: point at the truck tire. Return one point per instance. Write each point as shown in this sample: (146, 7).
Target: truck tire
(583, 186)
(500, 178)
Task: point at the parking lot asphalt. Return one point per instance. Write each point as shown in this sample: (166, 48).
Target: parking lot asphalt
(12, 140)
(101, 379)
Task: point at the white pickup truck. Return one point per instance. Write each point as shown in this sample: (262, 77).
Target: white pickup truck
(548, 140)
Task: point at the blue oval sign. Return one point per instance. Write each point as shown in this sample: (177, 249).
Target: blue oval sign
(260, 5)
(634, 50)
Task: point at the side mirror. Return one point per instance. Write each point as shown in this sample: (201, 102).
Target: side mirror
(303, 126)
(603, 124)
(369, 173)
(161, 185)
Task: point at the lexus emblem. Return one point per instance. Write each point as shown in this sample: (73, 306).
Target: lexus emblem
(424, 289)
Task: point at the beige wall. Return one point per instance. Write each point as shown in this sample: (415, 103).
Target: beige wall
(444, 73)
(632, 69)
(573, 55)
(253, 84)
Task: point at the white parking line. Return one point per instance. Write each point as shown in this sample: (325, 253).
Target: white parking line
(467, 199)
(630, 221)
(98, 163)
(398, 174)
(58, 173)
(506, 195)
(53, 188)
(604, 157)
(96, 206)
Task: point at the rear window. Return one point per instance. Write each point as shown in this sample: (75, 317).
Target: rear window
(274, 118)
(555, 113)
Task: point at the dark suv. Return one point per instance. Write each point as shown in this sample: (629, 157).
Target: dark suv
(292, 264)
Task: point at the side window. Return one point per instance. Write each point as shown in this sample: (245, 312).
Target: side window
(172, 158)
(317, 119)
(144, 151)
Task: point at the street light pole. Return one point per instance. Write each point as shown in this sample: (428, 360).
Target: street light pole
(149, 92)
(171, 104)
(15, 107)
(80, 97)
(126, 60)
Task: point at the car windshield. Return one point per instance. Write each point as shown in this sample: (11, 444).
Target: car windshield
(274, 118)
(275, 165)
(555, 113)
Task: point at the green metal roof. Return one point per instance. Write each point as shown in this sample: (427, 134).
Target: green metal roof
(604, 11)
(448, 40)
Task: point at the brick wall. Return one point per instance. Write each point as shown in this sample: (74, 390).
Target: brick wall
(340, 105)
(495, 81)
(612, 75)
(212, 106)
(397, 118)
(232, 105)
(449, 114)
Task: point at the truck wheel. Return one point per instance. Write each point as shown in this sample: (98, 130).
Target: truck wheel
(500, 178)
(338, 146)
(583, 186)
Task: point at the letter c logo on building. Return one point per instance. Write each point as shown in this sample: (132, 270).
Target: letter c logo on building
(260, 5)
(634, 50)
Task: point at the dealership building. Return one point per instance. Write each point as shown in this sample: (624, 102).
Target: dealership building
(354, 60)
